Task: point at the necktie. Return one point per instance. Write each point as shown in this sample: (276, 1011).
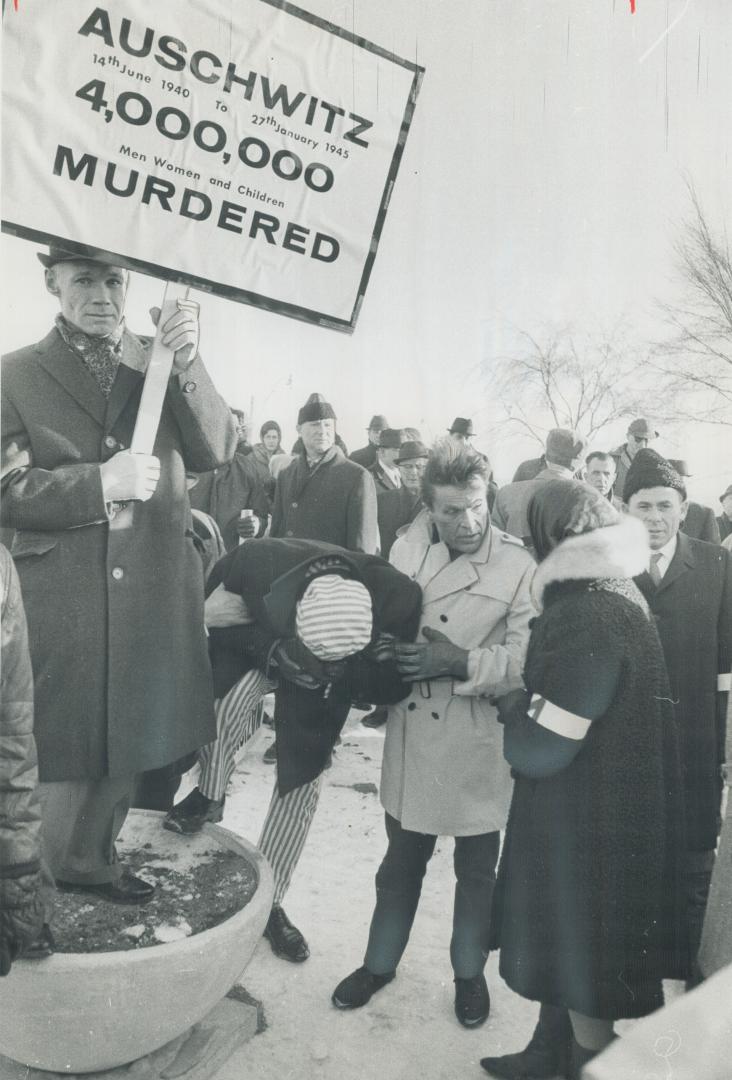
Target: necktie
(653, 570)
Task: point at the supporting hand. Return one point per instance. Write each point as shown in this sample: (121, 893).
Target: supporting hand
(181, 333)
(440, 656)
(127, 476)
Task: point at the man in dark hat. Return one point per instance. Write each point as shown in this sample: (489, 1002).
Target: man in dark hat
(400, 506)
(699, 522)
(564, 451)
(384, 470)
(366, 456)
(111, 582)
(724, 521)
(322, 495)
(307, 618)
(688, 587)
(461, 430)
(640, 433)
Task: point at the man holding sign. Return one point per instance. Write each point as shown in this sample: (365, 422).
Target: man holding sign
(103, 545)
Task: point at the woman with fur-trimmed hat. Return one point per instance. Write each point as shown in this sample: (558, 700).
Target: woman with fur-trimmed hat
(588, 907)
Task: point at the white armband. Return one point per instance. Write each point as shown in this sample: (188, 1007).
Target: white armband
(561, 722)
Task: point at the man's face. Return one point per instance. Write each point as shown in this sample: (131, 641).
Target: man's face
(459, 439)
(461, 515)
(91, 295)
(636, 443)
(317, 436)
(271, 439)
(388, 455)
(374, 435)
(600, 473)
(411, 474)
(727, 505)
(661, 510)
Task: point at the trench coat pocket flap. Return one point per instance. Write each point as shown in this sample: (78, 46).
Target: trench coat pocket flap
(496, 589)
(27, 542)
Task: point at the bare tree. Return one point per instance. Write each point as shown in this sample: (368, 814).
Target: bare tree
(562, 378)
(696, 360)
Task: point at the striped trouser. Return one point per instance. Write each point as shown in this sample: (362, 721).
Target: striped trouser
(288, 820)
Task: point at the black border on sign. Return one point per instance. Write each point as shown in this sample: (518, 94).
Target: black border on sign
(244, 296)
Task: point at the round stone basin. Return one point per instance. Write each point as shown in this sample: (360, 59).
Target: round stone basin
(85, 1012)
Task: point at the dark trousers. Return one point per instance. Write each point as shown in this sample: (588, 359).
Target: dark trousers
(398, 888)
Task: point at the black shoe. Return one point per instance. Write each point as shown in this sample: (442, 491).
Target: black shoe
(547, 1054)
(358, 988)
(377, 718)
(269, 757)
(128, 889)
(285, 939)
(43, 946)
(192, 813)
(267, 720)
(472, 1001)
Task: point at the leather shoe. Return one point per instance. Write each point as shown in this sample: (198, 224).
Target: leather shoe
(128, 889)
(358, 988)
(191, 814)
(472, 1001)
(377, 718)
(285, 939)
(43, 946)
(547, 1054)
(269, 757)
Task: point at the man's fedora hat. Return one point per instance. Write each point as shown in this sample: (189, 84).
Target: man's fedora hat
(411, 450)
(378, 423)
(391, 439)
(462, 426)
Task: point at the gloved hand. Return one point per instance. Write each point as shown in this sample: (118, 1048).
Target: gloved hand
(129, 476)
(512, 705)
(21, 916)
(181, 332)
(440, 656)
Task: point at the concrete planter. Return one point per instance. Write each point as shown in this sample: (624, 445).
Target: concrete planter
(81, 1013)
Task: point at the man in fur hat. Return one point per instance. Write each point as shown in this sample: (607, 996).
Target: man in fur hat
(688, 586)
(322, 495)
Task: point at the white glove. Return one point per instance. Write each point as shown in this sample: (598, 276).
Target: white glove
(181, 333)
(129, 476)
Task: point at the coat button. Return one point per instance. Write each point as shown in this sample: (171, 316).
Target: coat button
(443, 618)
(110, 442)
(412, 705)
(289, 532)
(435, 716)
(118, 573)
(294, 506)
(189, 387)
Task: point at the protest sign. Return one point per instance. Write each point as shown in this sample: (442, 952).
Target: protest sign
(244, 147)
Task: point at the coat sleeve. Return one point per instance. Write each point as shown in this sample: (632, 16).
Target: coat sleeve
(362, 529)
(499, 668)
(44, 499)
(208, 433)
(277, 525)
(725, 624)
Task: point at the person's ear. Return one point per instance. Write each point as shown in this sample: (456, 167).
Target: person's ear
(51, 282)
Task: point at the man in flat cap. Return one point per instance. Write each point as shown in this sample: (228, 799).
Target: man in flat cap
(724, 521)
(640, 433)
(564, 452)
(323, 495)
(111, 581)
(688, 586)
(309, 619)
(366, 455)
(384, 470)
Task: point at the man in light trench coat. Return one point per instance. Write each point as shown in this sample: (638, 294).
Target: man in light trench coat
(443, 770)
(103, 544)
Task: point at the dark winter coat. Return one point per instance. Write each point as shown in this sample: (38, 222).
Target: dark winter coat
(382, 480)
(335, 502)
(114, 607)
(587, 910)
(307, 722)
(701, 524)
(225, 491)
(395, 509)
(693, 611)
(365, 456)
(725, 526)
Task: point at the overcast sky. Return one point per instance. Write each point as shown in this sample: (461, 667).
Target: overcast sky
(543, 181)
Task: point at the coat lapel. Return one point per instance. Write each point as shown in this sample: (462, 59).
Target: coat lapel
(453, 576)
(130, 375)
(68, 370)
(682, 561)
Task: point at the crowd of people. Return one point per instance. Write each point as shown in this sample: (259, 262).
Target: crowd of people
(550, 660)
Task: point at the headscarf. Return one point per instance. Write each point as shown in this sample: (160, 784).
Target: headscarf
(562, 508)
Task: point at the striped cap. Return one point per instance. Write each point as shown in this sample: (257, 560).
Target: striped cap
(333, 617)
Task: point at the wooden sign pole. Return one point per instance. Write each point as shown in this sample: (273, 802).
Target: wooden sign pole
(157, 375)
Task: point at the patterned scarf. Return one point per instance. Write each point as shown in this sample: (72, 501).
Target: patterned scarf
(100, 355)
